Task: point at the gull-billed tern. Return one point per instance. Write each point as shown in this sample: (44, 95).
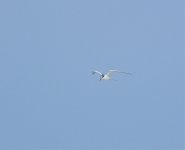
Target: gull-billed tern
(108, 75)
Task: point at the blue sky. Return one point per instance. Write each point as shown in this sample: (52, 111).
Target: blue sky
(50, 100)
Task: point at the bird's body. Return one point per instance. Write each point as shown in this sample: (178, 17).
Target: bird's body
(105, 77)
(108, 75)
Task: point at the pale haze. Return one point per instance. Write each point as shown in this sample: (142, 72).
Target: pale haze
(49, 100)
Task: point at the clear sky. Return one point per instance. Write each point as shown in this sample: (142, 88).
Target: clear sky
(48, 97)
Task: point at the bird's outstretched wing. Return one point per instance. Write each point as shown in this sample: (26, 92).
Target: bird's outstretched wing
(110, 72)
(95, 71)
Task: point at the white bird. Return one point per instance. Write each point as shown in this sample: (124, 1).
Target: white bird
(108, 75)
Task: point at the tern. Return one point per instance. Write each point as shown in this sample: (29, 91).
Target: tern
(108, 75)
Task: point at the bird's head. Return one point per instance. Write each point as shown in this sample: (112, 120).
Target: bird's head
(101, 76)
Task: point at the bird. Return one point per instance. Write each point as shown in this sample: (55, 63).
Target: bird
(108, 75)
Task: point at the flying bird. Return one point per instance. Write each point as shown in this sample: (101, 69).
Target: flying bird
(108, 75)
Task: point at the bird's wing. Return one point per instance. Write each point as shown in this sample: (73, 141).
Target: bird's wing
(125, 72)
(95, 71)
(112, 71)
